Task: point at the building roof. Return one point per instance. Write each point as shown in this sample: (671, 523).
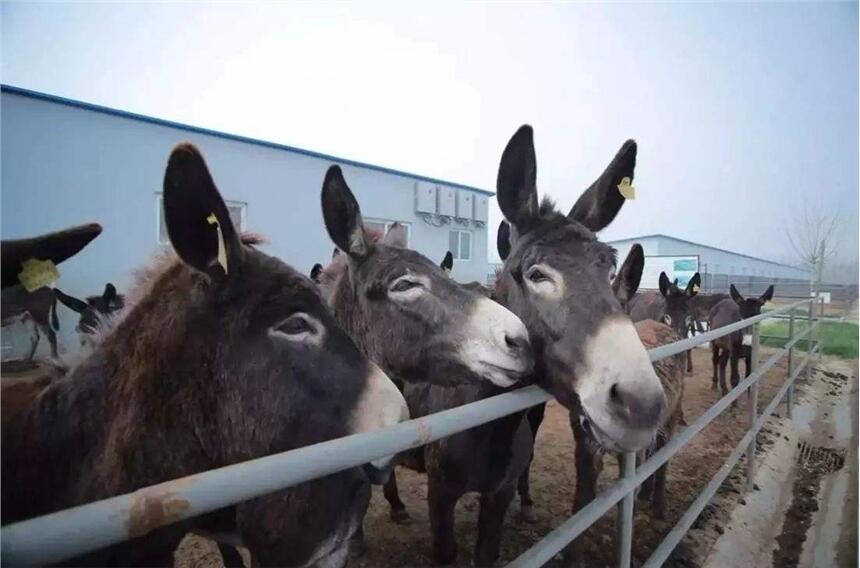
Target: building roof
(661, 235)
(235, 137)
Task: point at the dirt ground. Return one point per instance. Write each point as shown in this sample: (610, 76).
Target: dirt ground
(553, 480)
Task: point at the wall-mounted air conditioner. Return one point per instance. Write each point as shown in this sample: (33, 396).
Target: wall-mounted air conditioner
(465, 204)
(446, 201)
(425, 197)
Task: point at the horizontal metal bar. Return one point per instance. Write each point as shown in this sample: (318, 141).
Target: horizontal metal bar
(555, 541)
(64, 534)
(671, 540)
(686, 344)
(58, 536)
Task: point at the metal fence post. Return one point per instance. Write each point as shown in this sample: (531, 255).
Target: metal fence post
(624, 546)
(753, 402)
(789, 399)
(809, 323)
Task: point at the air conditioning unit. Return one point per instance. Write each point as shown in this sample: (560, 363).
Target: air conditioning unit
(465, 204)
(482, 202)
(446, 201)
(425, 197)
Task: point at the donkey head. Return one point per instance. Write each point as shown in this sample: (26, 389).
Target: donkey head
(556, 277)
(678, 313)
(259, 337)
(750, 307)
(409, 317)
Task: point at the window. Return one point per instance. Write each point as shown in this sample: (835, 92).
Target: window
(381, 227)
(460, 244)
(237, 210)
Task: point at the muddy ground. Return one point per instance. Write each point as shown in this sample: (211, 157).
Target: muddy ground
(553, 479)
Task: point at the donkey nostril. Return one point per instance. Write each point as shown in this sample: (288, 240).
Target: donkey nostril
(613, 394)
(516, 343)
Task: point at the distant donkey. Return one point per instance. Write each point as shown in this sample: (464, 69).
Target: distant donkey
(448, 346)
(556, 277)
(730, 348)
(94, 311)
(670, 305)
(39, 308)
(228, 355)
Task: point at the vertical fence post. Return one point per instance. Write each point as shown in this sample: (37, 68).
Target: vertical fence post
(624, 540)
(809, 321)
(753, 402)
(821, 346)
(789, 399)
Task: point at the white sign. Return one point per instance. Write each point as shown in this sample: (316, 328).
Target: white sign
(681, 267)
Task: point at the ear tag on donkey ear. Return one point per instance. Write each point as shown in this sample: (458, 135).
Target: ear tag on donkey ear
(36, 274)
(222, 249)
(626, 189)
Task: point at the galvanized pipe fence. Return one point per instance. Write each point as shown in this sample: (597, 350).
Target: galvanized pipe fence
(58, 536)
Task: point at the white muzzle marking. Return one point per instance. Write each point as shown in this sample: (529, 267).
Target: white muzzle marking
(485, 349)
(615, 356)
(381, 405)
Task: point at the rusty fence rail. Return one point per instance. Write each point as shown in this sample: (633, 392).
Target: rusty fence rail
(58, 536)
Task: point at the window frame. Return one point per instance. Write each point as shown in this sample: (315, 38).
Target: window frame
(456, 254)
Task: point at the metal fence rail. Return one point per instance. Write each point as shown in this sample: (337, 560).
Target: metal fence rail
(65, 534)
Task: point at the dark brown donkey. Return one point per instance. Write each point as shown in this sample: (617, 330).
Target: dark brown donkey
(731, 347)
(226, 355)
(95, 311)
(448, 346)
(556, 277)
(670, 305)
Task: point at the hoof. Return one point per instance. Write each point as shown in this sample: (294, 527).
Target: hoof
(445, 558)
(527, 514)
(400, 517)
(357, 548)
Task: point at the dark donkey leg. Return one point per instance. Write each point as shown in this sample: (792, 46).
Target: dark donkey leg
(535, 416)
(724, 359)
(587, 470)
(441, 500)
(491, 520)
(398, 512)
(715, 358)
(736, 377)
(658, 500)
(230, 556)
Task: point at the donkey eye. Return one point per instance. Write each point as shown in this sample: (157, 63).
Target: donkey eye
(404, 285)
(296, 325)
(536, 275)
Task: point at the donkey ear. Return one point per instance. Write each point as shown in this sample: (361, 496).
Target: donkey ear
(110, 292)
(447, 262)
(342, 215)
(503, 240)
(197, 219)
(664, 284)
(693, 285)
(736, 296)
(516, 184)
(315, 271)
(766, 297)
(600, 203)
(627, 280)
(396, 236)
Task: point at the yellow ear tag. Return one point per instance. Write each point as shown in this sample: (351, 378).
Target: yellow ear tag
(222, 250)
(626, 188)
(37, 273)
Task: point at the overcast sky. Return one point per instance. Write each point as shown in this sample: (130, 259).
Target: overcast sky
(743, 113)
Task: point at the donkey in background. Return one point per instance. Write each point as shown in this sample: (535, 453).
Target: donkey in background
(670, 305)
(448, 346)
(94, 311)
(730, 348)
(218, 361)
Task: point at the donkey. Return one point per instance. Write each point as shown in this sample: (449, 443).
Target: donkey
(449, 346)
(670, 306)
(218, 361)
(738, 343)
(94, 311)
(556, 277)
(701, 305)
(38, 307)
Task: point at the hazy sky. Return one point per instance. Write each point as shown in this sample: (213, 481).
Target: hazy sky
(742, 112)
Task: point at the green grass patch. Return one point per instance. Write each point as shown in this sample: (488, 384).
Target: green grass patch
(840, 338)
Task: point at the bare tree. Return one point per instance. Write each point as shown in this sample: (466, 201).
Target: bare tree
(813, 236)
